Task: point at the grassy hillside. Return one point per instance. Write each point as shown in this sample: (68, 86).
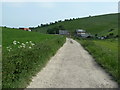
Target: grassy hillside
(100, 25)
(24, 54)
(105, 52)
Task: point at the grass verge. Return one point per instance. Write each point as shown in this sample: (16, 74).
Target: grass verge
(20, 64)
(105, 53)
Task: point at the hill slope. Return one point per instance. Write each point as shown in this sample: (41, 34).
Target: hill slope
(101, 25)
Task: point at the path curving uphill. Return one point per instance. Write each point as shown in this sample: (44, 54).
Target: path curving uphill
(72, 67)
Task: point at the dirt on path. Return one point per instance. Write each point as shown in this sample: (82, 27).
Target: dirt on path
(72, 67)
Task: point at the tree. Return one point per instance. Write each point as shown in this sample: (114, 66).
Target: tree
(54, 30)
(42, 25)
(116, 36)
(61, 27)
(110, 30)
(111, 34)
(46, 24)
(55, 21)
(49, 31)
(66, 19)
(96, 35)
(90, 16)
(59, 21)
(51, 23)
(73, 18)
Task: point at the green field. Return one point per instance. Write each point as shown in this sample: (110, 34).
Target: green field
(20, 64)
(100, 25)
(105, 52)
(9, 35)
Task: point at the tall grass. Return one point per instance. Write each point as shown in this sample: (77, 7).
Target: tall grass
(105, 53)
(20, 64)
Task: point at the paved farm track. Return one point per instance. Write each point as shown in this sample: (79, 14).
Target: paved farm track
(72, 67)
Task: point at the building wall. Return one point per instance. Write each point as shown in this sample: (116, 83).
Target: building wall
(63, 32)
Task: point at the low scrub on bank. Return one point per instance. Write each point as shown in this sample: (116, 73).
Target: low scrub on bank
(23, 56)
(105, 53)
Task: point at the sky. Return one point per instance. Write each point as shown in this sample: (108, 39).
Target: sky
(29, 14)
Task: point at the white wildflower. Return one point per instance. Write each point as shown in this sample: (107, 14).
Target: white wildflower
(20, 46)
(18, 42)
(9, 50)
(23, 44)
(7, 47)
(26, 42)
(32, 44)
(30, 41)
(14, 42)
(30, 47)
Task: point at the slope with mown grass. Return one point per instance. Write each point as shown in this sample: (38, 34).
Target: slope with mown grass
(101, 25)
(24, 54)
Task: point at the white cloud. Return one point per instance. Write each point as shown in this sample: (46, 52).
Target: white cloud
(60, 0)
(16, 4)
(47, 4)
(0, 14)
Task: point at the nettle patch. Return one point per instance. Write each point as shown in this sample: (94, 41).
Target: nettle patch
(20, 45)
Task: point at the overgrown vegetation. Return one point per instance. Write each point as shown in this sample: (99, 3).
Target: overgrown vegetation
(21, 60)
(105, 53)
(55, 30)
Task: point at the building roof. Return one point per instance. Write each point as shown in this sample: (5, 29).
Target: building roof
(80, 30)
(26, 29)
